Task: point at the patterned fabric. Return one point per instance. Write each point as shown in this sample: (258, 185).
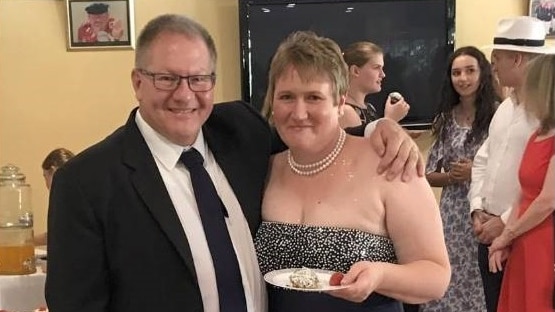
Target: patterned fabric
(366, 115)
(465, 292)
(283, 245)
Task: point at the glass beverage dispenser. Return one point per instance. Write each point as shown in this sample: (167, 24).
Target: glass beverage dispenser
(17, 252)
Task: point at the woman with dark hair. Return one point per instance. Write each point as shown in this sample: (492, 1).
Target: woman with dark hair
(53, 161)
(468, 102)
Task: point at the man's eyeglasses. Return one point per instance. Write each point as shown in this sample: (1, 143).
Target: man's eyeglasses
(170, 82)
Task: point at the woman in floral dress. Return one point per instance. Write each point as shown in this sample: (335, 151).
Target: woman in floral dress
(468, 102)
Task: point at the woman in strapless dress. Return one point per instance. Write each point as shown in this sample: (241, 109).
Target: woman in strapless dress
(326, 207)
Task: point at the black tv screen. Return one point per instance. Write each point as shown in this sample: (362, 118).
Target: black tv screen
(417, 37)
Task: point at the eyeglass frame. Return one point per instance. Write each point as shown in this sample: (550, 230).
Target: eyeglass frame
(153, 76)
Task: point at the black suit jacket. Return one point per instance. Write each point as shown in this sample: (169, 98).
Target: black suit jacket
(115, 242)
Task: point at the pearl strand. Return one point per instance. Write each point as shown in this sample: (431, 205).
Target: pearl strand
(333, 153)
(319, 165)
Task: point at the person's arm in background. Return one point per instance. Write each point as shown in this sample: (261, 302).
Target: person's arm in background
(539, 209)
(396, 111)
(438, 178)
(498, 255)
(435, 177)
(399, 153)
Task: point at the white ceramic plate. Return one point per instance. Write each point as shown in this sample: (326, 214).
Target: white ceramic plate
(280, 278)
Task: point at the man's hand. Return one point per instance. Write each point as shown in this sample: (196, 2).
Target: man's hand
(477, 221)
(491, 229)
(399, 152)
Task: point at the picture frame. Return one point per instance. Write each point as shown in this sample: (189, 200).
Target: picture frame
(544, 10)
(100, 24)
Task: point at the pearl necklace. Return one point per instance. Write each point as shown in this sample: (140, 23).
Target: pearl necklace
(314, 168)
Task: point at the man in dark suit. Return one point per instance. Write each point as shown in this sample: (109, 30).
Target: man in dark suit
(125, 229)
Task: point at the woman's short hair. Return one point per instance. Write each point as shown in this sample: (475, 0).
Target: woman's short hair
(311, 55)
(359, 53)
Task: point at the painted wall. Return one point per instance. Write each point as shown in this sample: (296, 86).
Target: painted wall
(50, 97)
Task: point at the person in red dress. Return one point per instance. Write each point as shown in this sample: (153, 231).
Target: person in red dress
(527, 239)
(99, 26)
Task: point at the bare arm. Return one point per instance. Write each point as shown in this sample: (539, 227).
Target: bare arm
(397, 110)
(434, 165)
(349, 118)
(439, 179)
(415, 227)
(539, 209)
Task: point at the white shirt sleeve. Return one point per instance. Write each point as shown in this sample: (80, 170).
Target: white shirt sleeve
(505, 215)
(371, 127)
(478, 175)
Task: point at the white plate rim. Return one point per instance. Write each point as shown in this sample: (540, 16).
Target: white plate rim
(277, 278)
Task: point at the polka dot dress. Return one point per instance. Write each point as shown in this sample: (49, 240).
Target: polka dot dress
(283, 246)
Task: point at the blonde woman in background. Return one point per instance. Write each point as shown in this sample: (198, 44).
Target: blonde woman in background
(53, 161)
(527, 239)
(366, 72)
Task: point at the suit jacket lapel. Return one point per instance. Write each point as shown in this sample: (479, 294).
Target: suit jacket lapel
(152, 191)
(230, 158)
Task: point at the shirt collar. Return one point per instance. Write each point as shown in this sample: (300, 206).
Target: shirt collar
(166, 152)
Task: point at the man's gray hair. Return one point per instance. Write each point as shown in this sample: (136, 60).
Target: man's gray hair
(172, 23)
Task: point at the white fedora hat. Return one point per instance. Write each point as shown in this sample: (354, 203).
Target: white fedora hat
(523, 34)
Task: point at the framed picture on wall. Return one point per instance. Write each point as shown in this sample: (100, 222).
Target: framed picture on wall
(102, 24)
(544, 10)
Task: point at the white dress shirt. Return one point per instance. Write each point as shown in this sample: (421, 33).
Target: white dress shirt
(370, 127)
(178, 183)
(495, 186)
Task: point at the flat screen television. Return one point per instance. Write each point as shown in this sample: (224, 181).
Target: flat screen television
(417, 37)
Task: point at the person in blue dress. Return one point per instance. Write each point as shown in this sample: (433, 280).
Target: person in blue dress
(468, 102)
(326, 207)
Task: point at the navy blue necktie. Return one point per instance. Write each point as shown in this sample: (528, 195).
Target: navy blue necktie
(212, 214)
